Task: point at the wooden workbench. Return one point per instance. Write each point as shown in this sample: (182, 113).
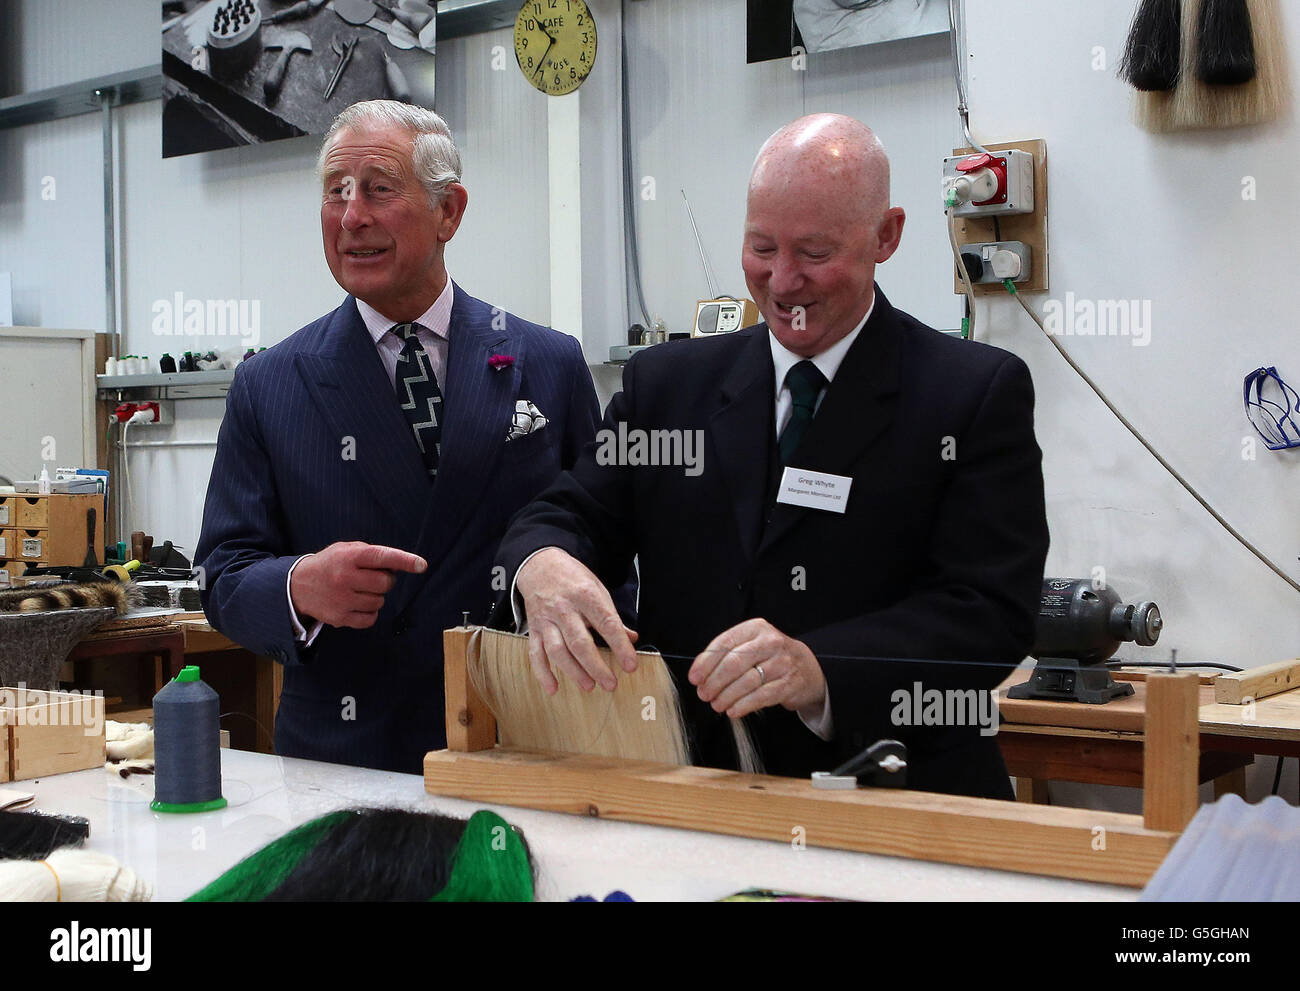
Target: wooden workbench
(1102, 744)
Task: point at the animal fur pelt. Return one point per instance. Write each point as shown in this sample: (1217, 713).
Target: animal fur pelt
(92, 595)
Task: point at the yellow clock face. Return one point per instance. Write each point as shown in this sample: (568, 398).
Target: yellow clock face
(555, 43)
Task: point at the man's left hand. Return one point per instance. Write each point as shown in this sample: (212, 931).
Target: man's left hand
(754, 665)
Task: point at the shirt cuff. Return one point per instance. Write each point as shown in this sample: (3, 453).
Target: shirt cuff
(517, 600)
(300, 633)
(817, 717)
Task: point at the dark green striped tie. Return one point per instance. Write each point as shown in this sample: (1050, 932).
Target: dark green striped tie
(805, 382)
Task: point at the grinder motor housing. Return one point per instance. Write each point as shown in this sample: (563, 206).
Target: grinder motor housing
(1080, 626)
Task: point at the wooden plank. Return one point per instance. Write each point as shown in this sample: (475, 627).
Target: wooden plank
(200, 638)
(1275, 719)
(1125, 715)
(6, 772)
(1172, 749)
(1234, 687)
(470, 723)
(1140, 674)
(1075, 843)
(1032, 791)
(269, 678)
(1090, 760)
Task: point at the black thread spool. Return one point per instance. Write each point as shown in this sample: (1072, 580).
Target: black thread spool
(187, 746)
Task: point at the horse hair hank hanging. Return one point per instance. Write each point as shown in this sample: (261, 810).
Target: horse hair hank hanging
(1151, 60)
(1214, 46)
(640, 720)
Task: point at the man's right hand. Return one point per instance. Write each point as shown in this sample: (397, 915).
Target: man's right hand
(563, 601)
(345, 584)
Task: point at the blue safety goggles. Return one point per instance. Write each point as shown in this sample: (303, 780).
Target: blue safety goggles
(1270, 405)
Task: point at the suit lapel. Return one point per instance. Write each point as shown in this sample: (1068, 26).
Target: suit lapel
(858, 406)
(346, 380)
(748, 398)
(479, 402)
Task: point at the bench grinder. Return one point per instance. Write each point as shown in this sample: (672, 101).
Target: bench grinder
(1079, 627)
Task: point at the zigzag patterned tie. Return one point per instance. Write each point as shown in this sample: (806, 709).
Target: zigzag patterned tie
(419, 396)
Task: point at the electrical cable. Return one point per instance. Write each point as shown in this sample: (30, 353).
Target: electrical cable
(957, 41)
(1011, 288)
(1166, 665)
(126, 472)
(631, 252)
(1277, 775)
(968, 321)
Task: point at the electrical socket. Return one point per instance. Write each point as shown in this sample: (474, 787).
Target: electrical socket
(1029, 228)
(1014, 192)
(994, 261)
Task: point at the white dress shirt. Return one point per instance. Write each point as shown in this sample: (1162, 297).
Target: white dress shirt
(432, 330)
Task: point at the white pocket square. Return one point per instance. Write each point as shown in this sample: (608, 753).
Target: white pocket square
(527, 419)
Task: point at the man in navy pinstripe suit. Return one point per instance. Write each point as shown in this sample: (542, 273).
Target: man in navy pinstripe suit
(367, 466)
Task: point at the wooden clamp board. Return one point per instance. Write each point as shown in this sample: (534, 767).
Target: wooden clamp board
(1082, 844)
(1235, 687)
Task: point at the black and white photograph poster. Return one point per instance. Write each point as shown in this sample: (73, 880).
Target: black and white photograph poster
(239, 72)
(778, 27)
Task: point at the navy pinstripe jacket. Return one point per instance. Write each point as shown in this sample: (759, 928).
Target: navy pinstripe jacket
(314, 449)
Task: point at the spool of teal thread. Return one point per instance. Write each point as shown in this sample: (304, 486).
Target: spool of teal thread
(187, 746)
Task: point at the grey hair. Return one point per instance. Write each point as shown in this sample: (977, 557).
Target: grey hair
(434, 154)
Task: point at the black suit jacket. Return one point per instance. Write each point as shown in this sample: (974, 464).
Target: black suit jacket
(939, 555)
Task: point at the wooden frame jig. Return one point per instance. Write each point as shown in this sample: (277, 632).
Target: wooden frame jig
(1107, 847)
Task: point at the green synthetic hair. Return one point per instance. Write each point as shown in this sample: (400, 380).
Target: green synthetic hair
(489, 863)
(255, 877)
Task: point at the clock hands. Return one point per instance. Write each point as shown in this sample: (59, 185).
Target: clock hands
(541, 62)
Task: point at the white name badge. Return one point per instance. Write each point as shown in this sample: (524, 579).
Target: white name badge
(815, 490)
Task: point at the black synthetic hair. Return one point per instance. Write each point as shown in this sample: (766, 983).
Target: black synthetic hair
(1153, 54)
(1225, 54)
(35, 835)
(376, 855)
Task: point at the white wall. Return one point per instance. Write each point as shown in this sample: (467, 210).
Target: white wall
(1133, 216)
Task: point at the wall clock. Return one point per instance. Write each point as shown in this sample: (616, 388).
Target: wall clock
(555, 44)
